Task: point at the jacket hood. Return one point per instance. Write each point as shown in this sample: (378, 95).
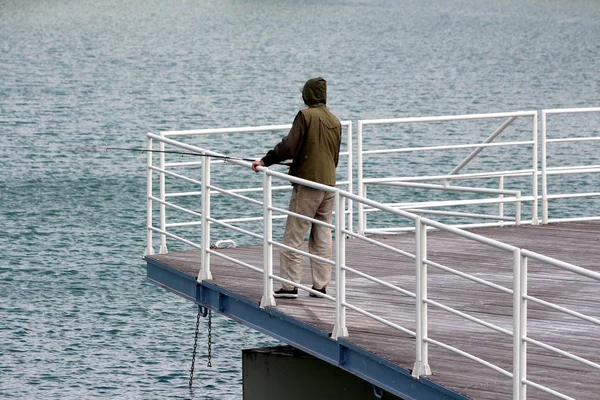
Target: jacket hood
(315, 91)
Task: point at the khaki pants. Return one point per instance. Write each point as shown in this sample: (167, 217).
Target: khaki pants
(319, 205)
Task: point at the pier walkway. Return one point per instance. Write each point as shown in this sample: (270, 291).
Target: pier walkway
(485, 300)
(307, 321)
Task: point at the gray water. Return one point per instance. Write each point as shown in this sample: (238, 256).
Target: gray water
(77, 318)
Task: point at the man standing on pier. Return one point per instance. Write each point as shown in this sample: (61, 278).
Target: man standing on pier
(313, 144)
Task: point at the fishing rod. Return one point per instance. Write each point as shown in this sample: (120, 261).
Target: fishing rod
(183, 153)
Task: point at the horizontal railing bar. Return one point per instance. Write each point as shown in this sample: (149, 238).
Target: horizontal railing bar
(451, 203)
(379, 281)
(579, 219)
(570, 110)
(562, 309)
(469, 356)
(300, 216)
(173, 174)
(468, 317)
(185, 210)
(595, 166)
(304, 253)
(562, 352)
(477, 238)
(234, 260)
(235, 228)
(198, 193)
(184, 164)
(547, 390)
(259, 189)
(179, 224)
(376, 243)
(388, 231)
(449, 147)
(475, 175)
(468, 276)
(442, 118)
(243, 129)
(561, 264)
(171, 235)
(379, 319)
(250, 219)
(484, 225)
(574, 171)
(577, 139)
(459, 214)
(573, 196)
(183, 194)
(296, 180)
(391, 231)
(448, 187)
(233, 194)
(227, 159)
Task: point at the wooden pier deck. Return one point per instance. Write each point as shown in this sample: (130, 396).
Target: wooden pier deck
(576, 243)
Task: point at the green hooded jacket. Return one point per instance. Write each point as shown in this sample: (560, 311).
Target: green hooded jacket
(314, 140)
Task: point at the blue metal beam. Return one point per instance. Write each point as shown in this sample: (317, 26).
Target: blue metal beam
(171, 279)
(316, 342)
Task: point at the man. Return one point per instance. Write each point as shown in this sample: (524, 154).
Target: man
(313, 144)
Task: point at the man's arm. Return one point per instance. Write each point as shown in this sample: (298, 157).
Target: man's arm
(336, 157)
(290, 145)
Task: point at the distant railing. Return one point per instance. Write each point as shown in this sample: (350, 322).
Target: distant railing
(208, 218)
(569, 169)
(500, 195)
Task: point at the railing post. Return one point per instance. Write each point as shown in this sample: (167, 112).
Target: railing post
(421, 366)
(267, 298)
(534, 183)
(518, 209)
(517, 325)
(523, 330)
(359, 177)
(149, 249)
(340, 329)
(205, 255)
(163, 216)
(501, 204)
(544, 170)
(350, 224)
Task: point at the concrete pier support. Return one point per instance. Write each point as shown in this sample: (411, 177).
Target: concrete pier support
(283, 372)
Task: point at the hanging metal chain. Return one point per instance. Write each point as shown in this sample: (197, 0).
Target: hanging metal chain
(209, 338)
(195, 345)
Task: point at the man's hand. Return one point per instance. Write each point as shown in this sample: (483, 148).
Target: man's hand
(256, 164)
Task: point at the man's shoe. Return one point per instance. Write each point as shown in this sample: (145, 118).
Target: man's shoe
(286, 294)
(318, 290)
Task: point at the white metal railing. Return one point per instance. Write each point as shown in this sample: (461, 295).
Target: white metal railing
(165, 170)
(564, 170)
(501, 195)
(343, 200)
